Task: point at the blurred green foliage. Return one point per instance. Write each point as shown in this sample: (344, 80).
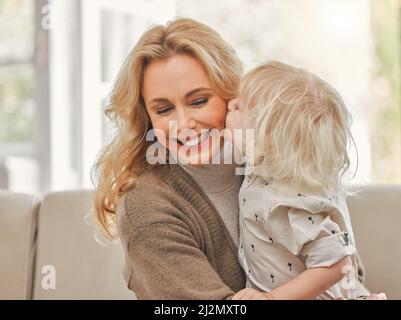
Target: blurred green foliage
(16, 103)
(386, 123)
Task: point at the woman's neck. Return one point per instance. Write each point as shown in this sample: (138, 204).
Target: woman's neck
(218, 175)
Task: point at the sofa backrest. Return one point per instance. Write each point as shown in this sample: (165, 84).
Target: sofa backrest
(84, 268)
(18, 213)
(376, 219)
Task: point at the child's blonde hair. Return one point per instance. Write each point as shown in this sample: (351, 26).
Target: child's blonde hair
(302, 127)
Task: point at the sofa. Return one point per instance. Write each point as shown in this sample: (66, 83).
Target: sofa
(50, 247)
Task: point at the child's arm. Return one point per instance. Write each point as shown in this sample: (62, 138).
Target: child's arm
(310, 283)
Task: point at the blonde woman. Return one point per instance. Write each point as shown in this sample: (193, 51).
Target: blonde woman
(178, 223)
(296, 238)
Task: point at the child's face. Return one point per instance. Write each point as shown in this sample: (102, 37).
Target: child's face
(234, 117)
(235, 121)
(237, 127)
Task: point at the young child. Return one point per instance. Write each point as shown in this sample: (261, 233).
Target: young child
(296, 239)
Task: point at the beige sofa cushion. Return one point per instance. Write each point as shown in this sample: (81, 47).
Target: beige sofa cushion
(17, 247)
(376, 219)
(84, 268)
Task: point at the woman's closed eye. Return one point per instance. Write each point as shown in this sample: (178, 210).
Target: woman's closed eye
(164, 110)
(199, 102)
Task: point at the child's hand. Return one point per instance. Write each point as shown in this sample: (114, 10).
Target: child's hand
(250, 294)
(372, 296)
(376, 296)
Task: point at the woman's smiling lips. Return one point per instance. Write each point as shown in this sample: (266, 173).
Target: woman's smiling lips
(195, 141)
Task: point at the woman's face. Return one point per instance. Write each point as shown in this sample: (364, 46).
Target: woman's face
(179, 96)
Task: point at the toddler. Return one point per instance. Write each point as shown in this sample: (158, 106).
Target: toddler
(296, 238)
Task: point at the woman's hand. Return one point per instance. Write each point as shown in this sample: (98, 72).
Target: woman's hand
(251, 294)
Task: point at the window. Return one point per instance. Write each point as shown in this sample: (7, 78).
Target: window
(110, 28)
(55, 79)
(354, 45)
(18, 108)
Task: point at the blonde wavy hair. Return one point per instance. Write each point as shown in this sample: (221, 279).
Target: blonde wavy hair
(302, 127)
(123, 160)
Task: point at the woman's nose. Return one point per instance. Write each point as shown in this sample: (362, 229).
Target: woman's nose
(185, 119)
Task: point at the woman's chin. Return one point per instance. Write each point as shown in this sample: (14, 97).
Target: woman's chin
(201, 154)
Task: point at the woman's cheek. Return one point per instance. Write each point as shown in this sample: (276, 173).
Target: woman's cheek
(236, 123)
(228, 121)
(160, 130)
(220, 112)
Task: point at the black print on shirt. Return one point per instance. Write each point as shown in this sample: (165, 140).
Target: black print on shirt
(290, 266)
(250, 181)
(258, 214)
(311, 220)
(253, 247)
(346, 239)
(272, 278)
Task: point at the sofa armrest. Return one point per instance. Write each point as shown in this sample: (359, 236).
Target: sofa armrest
(18, 218)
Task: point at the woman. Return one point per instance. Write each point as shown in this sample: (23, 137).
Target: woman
(178, 223)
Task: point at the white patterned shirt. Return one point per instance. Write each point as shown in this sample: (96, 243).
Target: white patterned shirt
(283, 235)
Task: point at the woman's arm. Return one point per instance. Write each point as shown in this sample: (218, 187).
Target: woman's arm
(166, 255)
(165, 263)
